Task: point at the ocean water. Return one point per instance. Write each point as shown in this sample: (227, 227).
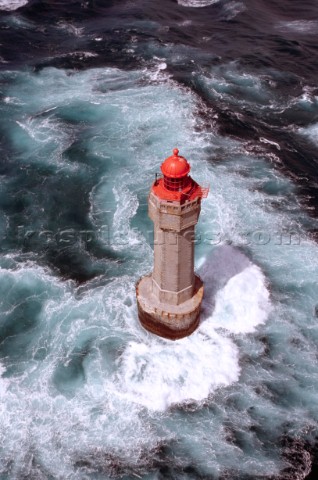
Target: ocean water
(94, 95)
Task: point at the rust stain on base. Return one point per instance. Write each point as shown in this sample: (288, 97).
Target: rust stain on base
(154, 326)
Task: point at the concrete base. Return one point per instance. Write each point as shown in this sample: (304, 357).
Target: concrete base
(168, 321)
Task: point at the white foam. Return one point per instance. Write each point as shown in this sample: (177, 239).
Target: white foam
(76, 31)
(232, 9)
(157, 73)
(231, 83)
(3, 388)
(299, 26)
(122, 235)
(9, 5)
(243, 303)
(197, 3)
(80, 54)
(48, 137)
(310, 132)
(270, 142)
(157, 373)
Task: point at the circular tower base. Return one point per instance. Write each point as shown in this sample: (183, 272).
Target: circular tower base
(165, 320)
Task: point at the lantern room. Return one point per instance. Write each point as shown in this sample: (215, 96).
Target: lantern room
(175, 171)
(176, 183)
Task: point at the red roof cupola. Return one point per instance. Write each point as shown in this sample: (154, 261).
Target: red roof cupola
(175, 166)
(176, 184)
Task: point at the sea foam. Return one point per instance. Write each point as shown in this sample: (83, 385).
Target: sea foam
(197, 3)
(9, 5)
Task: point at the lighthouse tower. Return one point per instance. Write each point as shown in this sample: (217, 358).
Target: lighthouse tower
(169, 299)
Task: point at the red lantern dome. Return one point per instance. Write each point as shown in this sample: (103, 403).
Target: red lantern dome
(175, 166)
(176, 184)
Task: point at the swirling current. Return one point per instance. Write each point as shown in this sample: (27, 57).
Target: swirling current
(94, 95)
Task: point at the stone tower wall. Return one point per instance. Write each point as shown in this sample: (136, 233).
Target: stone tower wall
(174, 223)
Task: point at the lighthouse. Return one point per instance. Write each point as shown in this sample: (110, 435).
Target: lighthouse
(169, 298)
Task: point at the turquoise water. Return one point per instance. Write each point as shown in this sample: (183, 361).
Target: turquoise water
(85, 391)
